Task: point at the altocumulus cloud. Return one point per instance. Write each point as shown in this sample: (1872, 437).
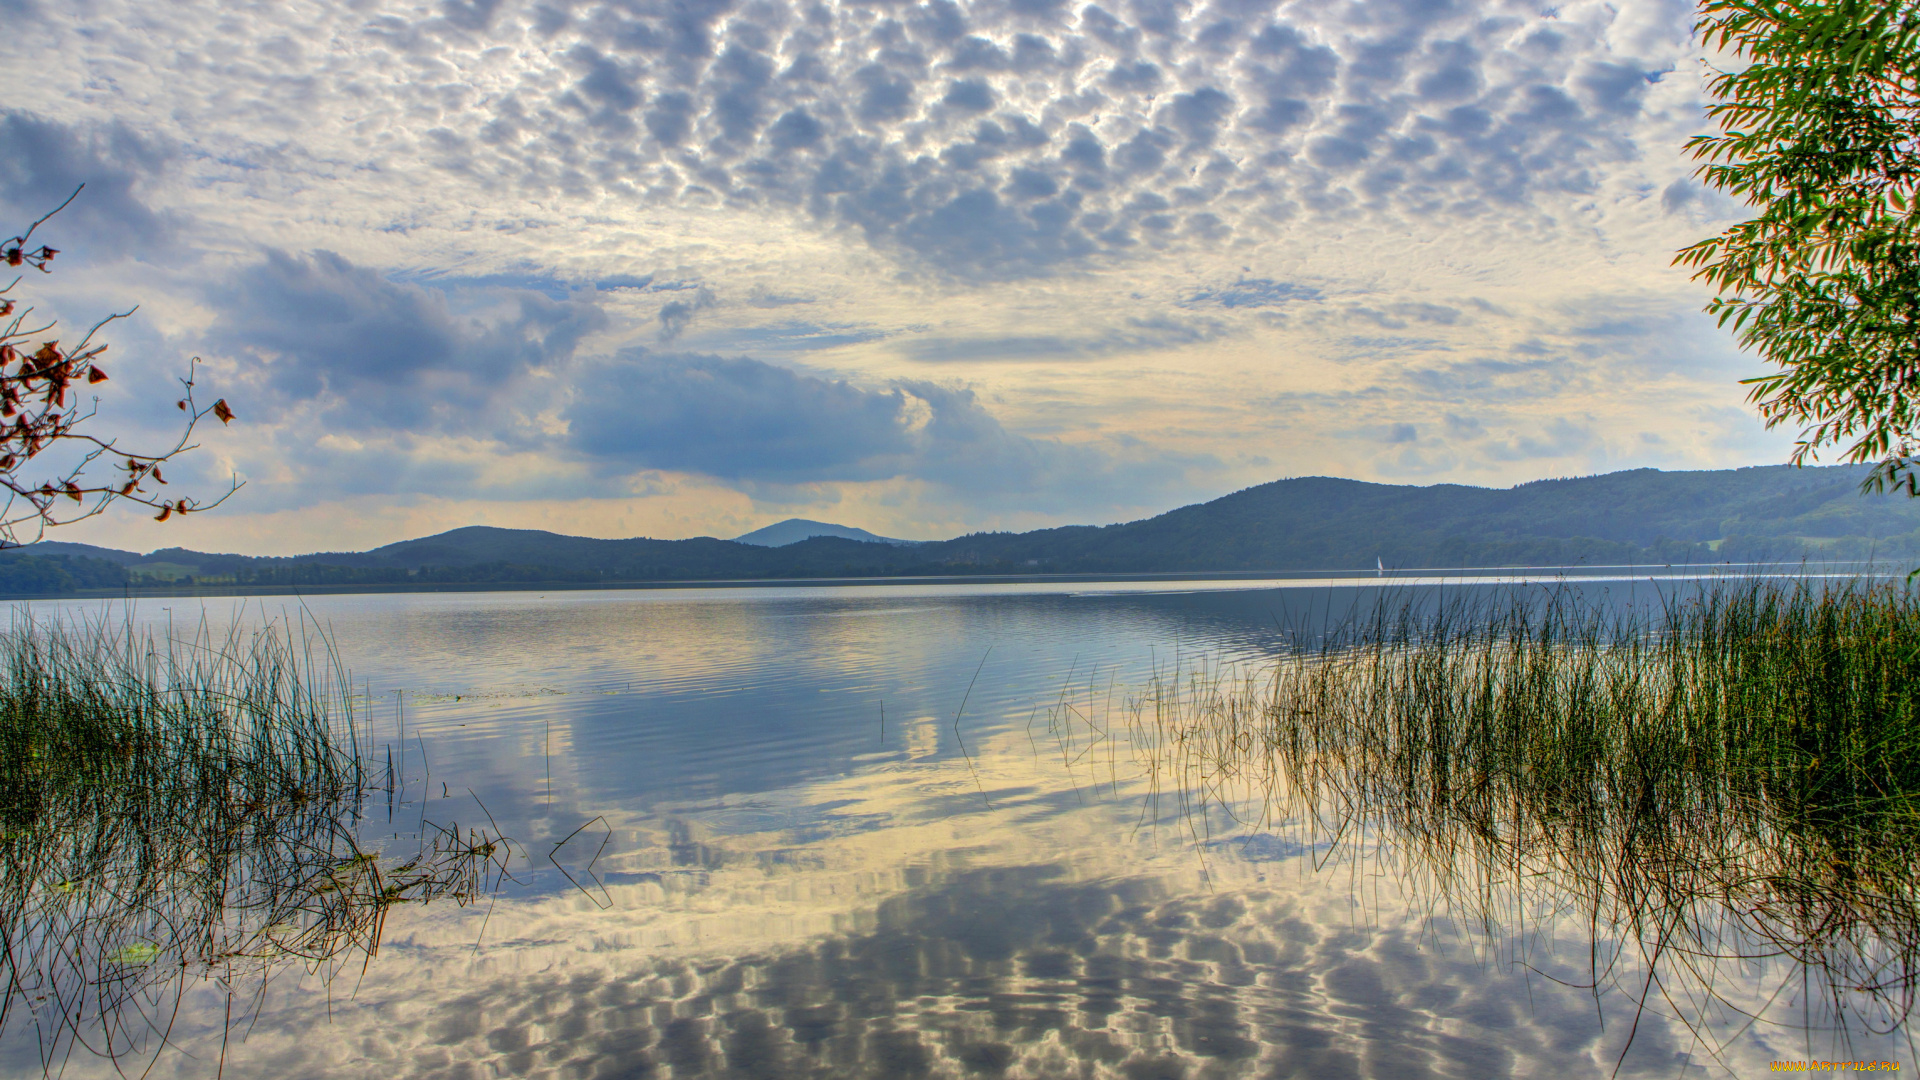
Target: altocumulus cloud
(968, 144)
(990, 140)
(1004, 140)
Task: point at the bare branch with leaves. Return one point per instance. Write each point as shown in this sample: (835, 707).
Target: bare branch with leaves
(55, 469)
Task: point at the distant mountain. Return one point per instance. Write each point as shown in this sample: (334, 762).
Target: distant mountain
(83, 551)
(1640, 516)
(1636, 516)
(794, 530)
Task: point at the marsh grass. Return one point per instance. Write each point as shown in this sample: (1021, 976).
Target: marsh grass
(1718, 783)
(180, 812)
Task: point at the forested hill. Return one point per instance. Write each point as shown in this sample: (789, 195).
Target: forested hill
(1644, 515)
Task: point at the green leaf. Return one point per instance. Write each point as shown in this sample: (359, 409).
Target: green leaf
(138, 954)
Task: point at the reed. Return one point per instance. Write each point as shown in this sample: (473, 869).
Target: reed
(1730, 777)
(177, 812)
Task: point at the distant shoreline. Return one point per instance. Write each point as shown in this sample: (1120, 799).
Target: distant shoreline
(1688, 570)
(1624, 520)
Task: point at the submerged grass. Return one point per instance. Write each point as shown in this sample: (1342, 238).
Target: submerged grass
(174, 811)
(1731, 777)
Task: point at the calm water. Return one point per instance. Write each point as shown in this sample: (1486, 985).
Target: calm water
(906, 831)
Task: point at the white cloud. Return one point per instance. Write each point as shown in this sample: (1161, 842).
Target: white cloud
(1221, 236)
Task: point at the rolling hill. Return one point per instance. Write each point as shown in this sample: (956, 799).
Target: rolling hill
(794, 530)
(1638, 516)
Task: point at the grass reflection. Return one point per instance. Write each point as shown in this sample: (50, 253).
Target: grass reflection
(180, 814)
(1732, 780)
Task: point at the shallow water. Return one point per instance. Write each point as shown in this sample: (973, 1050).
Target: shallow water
(908, 830)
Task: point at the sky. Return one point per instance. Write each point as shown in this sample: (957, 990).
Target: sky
(677, 268)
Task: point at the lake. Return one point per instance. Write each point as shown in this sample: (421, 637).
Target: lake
(916, 830)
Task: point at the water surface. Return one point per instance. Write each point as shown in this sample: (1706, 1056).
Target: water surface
(911, 830)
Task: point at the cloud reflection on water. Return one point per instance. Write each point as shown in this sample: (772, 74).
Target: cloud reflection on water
(790, 895)
(885, 923)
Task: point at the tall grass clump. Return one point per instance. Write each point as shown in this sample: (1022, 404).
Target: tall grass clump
(178, 811)
(1729, 777)
(89, 710)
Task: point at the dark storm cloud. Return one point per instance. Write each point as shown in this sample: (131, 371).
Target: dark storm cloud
(42, 162)
(750, 422)
(388, 351)
(1009, 140)
(375, 353)
(736, 419)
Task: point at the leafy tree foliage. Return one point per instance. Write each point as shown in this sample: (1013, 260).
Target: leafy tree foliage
(29, 574)
(56, 469)
(1820, 132)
